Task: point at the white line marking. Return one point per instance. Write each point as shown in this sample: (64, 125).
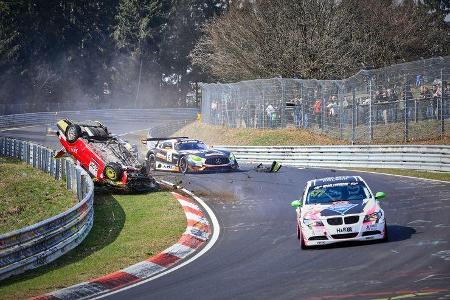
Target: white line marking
(209, 245)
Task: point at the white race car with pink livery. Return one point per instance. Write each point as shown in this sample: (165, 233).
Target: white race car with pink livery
(338, 209)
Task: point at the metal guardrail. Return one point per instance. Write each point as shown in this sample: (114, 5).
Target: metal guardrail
(129, 115)
(417, 157)
(41, 243)
(167, 130)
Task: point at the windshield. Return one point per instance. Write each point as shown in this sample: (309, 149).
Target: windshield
(191, 146)
(345, 191)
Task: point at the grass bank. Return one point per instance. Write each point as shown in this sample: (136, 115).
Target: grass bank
(218, 135)
(28, 195)
(127, 229)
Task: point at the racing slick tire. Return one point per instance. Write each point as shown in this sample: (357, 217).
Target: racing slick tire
(151, 163)
(73, 132)
(113, 171)
(183, 165)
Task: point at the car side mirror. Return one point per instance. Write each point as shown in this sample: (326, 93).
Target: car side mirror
(380, 195)
(296, 204)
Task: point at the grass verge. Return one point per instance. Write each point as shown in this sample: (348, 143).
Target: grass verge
(424, 133)
(413, 173)
(28, 195)
(127, 229)
(217, 135)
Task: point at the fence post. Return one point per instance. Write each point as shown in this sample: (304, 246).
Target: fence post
(370, 111)
(442, 106)
(283, 105)
(353, 114)
(405, 97)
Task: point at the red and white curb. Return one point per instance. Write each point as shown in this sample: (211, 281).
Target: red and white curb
(198, 231)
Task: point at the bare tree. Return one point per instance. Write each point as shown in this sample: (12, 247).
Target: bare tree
(322, 39)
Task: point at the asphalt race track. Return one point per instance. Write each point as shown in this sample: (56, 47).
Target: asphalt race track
(258, 255)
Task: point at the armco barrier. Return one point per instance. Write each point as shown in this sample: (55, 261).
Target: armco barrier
(417, 157)
(128, 115)
(41, 243)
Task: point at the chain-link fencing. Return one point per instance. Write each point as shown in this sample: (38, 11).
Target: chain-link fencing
(404, 102)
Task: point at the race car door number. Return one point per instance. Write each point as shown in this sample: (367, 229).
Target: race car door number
(169, 156)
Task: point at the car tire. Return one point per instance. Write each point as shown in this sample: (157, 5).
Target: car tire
(113, 171)
(302, 241)
(235, 166)
(183, 165)
(73, 132)
(298, 232)
(151, 163)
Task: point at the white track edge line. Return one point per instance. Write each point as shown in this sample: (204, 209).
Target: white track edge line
(209, 245)
(371, 172)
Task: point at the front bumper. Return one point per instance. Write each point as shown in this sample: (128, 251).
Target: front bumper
(321, 235)
(197, 168)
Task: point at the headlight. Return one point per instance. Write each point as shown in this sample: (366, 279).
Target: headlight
(373, 217)
(231, 157)
(309, 222)
(197, 160)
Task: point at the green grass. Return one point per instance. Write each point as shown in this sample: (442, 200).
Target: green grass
(28, 195)
(444, 176)
(127, 229)
(217, 135)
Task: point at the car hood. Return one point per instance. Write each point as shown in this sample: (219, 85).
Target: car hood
(206, 153)
(341, 208)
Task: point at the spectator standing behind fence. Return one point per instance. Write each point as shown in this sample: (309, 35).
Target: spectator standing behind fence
(298, 105)
(392, 104)
(214, 112)
(332, 110)
(345, 111)
(317, 109)
(425, 103)
(270, 112)
(437, 92)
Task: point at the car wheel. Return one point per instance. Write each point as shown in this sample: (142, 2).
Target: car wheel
(151, 163)
(298, 232)
(73, 132)
(235, 166)
(183, 165)
(113, 171)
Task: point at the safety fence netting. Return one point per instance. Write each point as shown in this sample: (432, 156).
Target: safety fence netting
(404, 102)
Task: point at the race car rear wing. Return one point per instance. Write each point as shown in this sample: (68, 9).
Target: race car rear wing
(156, 139)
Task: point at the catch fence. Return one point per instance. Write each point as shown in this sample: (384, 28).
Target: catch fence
(404, 102)
(43, 242)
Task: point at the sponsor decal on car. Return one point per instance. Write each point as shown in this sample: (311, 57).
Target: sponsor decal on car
(93, 168)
